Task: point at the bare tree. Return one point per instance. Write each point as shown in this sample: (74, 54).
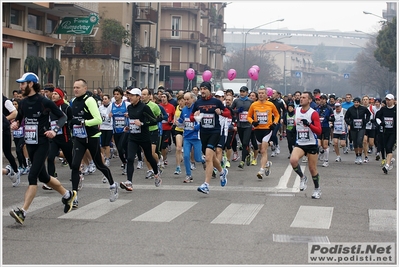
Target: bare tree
(369, 75)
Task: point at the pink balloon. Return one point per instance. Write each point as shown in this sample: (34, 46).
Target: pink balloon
(190, 73)
(256, 67)
(253, 74)
(231, 74)
(207, 75)
(269, 91)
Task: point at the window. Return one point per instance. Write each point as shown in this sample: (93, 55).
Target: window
(175, 58)
(15, 17)
(33, 50)
(50, 25)
(49, 52)
(175, 26)
(34, 22)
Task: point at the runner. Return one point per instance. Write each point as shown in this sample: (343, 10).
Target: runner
(325, 112)
(35, 110)
(264, 116)
(206, 111)
(308, 126)
(340, 129)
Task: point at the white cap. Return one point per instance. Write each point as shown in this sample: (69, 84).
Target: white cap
(337, 104)
(134, 91)
(219, 93)
(389, 96)
(28, 77)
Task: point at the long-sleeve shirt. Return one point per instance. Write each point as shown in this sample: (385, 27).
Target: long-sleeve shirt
(262, 112)
(210, 123)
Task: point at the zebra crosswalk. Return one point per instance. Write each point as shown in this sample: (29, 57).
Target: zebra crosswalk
(313, 217)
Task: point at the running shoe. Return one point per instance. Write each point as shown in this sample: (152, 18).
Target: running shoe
(304, 159)
(254, 162)
(325, 164)
(235, 157)
(377, 157)
(124, 171)
(139, 164)
(346, 150)
(273, 154)
(150, 174)
(385, 168)
(338, 159)
(75, 204)
(189, 179)
(303, 183)
(192, 166)
(25, 171)
(383, 162)
(85, 170)
(92, 168)
(18, 215)
(203, 188)
(248, 160)
(214, 173)
(260, 174)
(278, 149)
(104, 180)
(178, 170)
(46, 187)
(157, 180)
(366, 160)
(126, 185)
(391, 164)
(241, 165)
(316, 193)
(64, 163)
(268, 168)
(227, 164)
(113, 190)
(223, 177)
(15, 177)
(106, 162)
(68, 202)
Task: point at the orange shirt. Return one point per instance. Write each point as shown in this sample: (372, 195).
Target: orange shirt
(262, 112)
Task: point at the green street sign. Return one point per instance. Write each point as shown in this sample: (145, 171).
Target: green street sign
(79, 25)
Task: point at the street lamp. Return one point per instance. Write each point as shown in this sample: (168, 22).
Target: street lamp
(365, 33)
(245, 36)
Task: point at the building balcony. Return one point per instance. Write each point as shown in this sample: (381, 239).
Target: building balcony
(184, 6)
(145, 15)
(182, 36)
(92, 49)
(145, 55)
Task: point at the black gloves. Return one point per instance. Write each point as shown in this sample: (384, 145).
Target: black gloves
(272, 126)
(305, 122)
(159, 118)
(255, 123)
(332, 118)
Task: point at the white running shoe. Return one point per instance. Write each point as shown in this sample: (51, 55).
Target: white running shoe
(325, 164)
(316, 193)
(303, 184)
(139, 164)
(304, 159)
(338, 159)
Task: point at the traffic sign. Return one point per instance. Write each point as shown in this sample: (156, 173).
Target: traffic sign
(346, 75)
(298, 74)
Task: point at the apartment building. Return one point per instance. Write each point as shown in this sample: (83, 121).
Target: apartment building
(28, 32)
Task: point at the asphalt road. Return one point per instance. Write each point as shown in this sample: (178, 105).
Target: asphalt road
(249, 221)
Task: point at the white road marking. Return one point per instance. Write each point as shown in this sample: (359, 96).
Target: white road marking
(94, 210)
(38, 203)
(165, 212)
(236, 213)
(382, 220)
(313, 217)
(282, 183)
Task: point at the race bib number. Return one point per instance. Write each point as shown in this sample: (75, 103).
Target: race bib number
(208, 121)
(357, 123)
(338, 127)
(119, 122)
(388, 122)
(188, 125)
(53, 124)
(19, 133)
(262, 117)
(31, 132)
(79, 131)
(243, 116)
(303, 136)
(369, 126)
(134, 129)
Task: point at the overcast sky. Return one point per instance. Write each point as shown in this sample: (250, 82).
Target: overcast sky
(298, 15)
